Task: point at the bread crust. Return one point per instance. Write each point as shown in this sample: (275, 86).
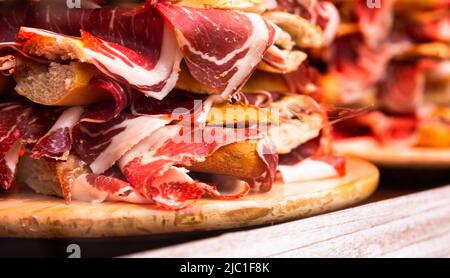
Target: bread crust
(80, 92)
(238, 159)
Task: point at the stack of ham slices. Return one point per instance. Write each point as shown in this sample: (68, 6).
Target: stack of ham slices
(163, 102)
(395, 58)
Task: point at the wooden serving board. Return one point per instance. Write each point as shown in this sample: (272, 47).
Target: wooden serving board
(27, 214)
(394, 156)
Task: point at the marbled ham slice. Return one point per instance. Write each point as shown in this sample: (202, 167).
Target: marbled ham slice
(268, 154)
(177, 103)
(401, 92)
(312, 160)
(103, 112)
(78, 183)
(102, 144)
(221, 48)
(21, 124)
(357, 66)
(390, 130)
(13, 118)
(176, 190)
(57, 143)
(152, 167)
(99, 188)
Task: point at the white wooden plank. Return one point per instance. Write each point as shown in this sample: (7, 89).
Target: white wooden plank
(427, 248)
(412, 225)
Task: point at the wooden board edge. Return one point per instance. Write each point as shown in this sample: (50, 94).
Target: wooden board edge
(252, 214)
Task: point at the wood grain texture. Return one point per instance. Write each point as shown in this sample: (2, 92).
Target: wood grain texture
(394, 156)
(416, 225)
(33, 215)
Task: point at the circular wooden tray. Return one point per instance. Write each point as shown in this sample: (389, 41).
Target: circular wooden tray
(28, 214)
(393, 156)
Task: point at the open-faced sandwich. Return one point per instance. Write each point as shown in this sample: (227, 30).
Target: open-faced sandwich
(393, 57)
(163, 102)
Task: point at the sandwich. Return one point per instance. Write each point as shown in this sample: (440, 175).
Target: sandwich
(393, 60)
(163, 102)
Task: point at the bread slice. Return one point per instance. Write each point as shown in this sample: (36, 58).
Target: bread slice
(58, 84)
(239, 160)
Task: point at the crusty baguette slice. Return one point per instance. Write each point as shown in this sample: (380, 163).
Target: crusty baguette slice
(58, 84)
(238, 159)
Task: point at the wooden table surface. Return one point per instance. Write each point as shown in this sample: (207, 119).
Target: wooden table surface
(412, 225)
(408, 216)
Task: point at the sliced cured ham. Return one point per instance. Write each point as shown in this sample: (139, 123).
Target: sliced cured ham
(12, 128)
(57, 143)
(357, 66)
(122, 98)
(102, 144)
(392, 130)
(221, 48)
(268, 154)
(178, 102)
(149, 165)
(72, 180)
(21, 124)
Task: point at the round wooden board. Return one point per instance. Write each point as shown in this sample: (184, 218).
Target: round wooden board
(394, 156)
(33, 215)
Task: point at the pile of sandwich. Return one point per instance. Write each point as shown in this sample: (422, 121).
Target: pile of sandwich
(391, 57)
(163, 102)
